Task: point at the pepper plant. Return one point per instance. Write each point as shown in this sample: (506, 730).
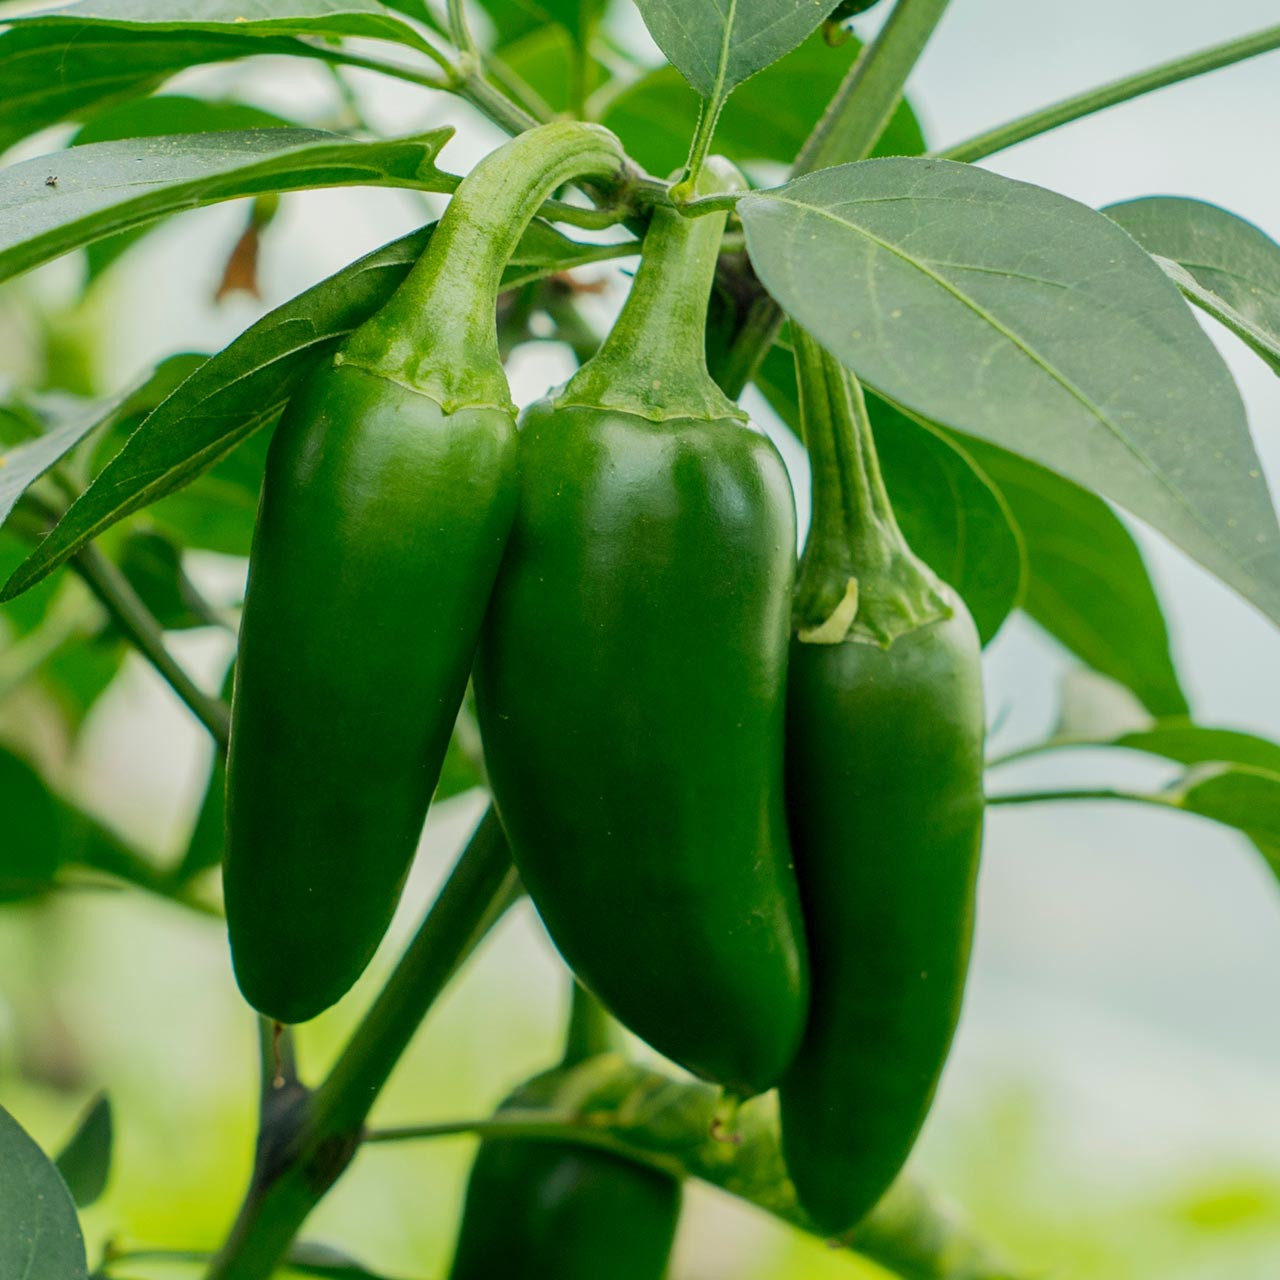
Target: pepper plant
(745, 794)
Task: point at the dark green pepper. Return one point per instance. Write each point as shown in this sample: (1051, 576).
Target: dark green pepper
(389, 491)
(543, 1210)
(884, 794)
(555, 1211)
(630, 685)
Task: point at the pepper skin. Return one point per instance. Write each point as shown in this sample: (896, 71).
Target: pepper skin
(554, 1211)
(389, 490)
(884, 794)
(630, 686)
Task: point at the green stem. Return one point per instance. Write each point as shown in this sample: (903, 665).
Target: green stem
(103, 851)
(460, 30)
(1081, 793)
(1109, 95)
(848, 130)
(653, 363)
(858, 578)
(590, 1031)
(699, 148)
(311, 1145)
(867, 98)
(438, 333)
(122, 602)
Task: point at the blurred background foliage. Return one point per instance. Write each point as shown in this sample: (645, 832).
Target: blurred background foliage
(1112, 1106)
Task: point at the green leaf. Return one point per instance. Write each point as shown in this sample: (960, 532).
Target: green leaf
(1191, 744)
(949, 512)
(35, 839)
(1087, 584)
(40, 1239)
(55, 203)
(58, 72)
(768, 118)
(717, 44)
(365, 18)
(1235, 796)
(1016, 315)
(155, 117)
(514, 19)
(1221, 262)
(23, 465)
(85, 1162)
(543, 60)
(245, 386)
(153, 565)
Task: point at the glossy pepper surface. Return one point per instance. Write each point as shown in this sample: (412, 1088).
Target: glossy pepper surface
(545, 1210)
(630, 685)
(884, 774)
(389, 491)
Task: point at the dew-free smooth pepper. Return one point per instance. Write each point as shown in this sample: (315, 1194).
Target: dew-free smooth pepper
(630, 685)
(389, 491)
(884, 797)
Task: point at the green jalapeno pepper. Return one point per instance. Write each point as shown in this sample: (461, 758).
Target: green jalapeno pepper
(389, 491)
(884, 795)
(630, 685)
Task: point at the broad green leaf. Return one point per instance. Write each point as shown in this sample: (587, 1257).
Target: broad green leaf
(55, 203)
(1221, 262)
(1016, 315)
(768, 118)
(85, 1162)
(717, 44)
(40, 1237)
(1236, 796)
(64, 71)
(365, 18)
(948, 510)
(671, 1124)
(156, 117)
(245, 386)
(1087, 584)
(514, 19)
(35, 839)
(542, 61)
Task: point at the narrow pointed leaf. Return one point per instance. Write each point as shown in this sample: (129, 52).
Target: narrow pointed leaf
(39, 1233)
(55, 203)
(365, 18)
(85, 1162)
(1222, 263)
(245, 386)
(1016, 315)
(65, 71)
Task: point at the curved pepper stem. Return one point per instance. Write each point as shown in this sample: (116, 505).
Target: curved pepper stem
(859, 579)
(653, 363)
(438, 333)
